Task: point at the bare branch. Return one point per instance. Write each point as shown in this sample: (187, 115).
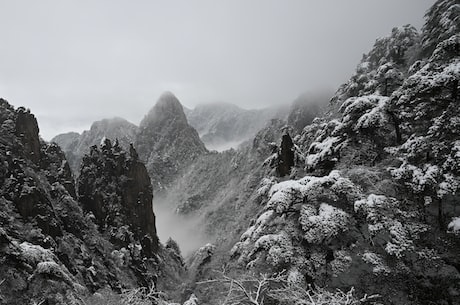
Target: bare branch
(252, 290)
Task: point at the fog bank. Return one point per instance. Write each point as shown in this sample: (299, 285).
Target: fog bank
(185, 230)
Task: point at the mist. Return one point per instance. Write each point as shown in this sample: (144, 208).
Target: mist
(223, 146)
(74, 62)
(185, 230)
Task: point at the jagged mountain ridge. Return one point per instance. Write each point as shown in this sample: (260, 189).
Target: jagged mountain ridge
(165, 125)
(75, 145)
(222, 126)
(52, 249)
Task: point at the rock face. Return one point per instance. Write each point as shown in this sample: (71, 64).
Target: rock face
(27, 130)
(286, 156)
(116, 188)
(166, 142)
(222, 126)
(51, 250)
(75, 145)
(57, 168)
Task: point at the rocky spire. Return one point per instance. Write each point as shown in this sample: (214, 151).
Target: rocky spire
(286, 155)
(27, 130)
(166, 142)
(167, 108)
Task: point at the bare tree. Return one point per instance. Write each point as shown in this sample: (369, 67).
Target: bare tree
(296, 294)
(250, 290)
(255, 290)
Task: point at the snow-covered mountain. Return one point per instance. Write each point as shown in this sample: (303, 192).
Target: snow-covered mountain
(357, 206)
(223, 126)
(378, 207)
(59, 246)
(75, 145)
(166, 142)
(371, 202)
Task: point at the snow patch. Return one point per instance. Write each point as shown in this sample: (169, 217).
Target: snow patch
(35, 254)
(193, 300)
(454, 225)
(379, 265)
(320, 151)
(323, 224)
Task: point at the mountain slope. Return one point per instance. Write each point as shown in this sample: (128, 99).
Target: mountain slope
(166, 142)
(378, 207)
(222, 126)
(307, 107)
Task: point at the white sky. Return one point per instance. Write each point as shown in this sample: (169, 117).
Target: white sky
(74, 62)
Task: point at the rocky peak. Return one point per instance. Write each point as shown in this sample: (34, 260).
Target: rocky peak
(53, 251)
(166, 142)
(115, 187)
(114, 128)
(168, 108)
(66, 139)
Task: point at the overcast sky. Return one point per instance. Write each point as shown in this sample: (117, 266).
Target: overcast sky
(74, 62)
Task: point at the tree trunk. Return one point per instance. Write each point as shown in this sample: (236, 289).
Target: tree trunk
(396, 123)
(455, 91)
(441, 220)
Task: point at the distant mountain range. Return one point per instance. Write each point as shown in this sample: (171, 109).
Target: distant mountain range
(222, 126)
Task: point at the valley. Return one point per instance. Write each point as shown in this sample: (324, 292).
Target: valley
(336, 198)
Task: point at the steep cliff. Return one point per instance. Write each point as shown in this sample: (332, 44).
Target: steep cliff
(53, 251)
(116, 188)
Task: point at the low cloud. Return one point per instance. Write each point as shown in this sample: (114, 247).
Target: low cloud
(185, 230)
